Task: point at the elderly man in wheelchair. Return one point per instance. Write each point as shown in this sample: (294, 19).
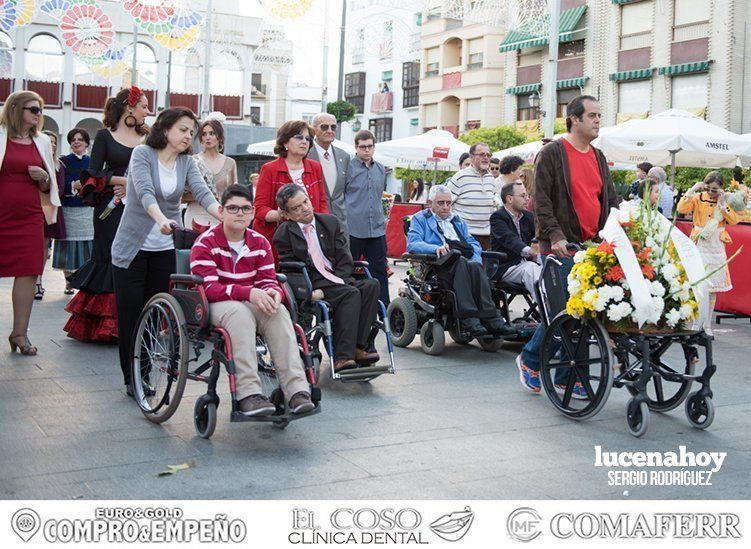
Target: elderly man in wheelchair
(457, 260)
(237, 268)
(314, 245)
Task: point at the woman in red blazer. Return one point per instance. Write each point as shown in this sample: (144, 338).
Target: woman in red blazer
(293, 141)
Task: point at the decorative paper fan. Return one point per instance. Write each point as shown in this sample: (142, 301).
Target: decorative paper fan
(287, 9)
(108, 69)
(186, 18)
(7, 15)
(55, 8)
(177, 38)
(150, 11)
(25, 11)
(87, 30)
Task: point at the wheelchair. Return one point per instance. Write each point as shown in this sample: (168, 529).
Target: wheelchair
(174, 323)
(504, 294)
(315, 315)
(427, 307)
(588, 354)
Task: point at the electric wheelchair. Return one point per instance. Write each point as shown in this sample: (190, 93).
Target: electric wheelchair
(173, 324)
(598, 359)
(315, 314)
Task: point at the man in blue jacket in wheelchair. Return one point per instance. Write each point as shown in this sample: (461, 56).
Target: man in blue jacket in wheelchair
(439, 231)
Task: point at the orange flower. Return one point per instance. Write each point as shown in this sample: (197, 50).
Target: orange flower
(648, 271)
(614, 274)
(606, 247)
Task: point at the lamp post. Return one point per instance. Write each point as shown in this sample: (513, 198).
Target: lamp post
(356, 125)
(534, 102)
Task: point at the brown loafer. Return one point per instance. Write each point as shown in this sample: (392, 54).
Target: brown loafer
(344, 364)
(366, 357)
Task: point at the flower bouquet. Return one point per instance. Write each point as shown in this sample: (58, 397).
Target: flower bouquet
(645, 275)
(387, 200)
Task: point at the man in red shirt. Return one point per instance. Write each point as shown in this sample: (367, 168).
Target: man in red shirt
(573, 197)
(237, 268)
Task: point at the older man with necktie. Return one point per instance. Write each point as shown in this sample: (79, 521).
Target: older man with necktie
(319, 241)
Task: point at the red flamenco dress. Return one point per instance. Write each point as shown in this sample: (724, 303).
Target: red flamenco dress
(93, 312)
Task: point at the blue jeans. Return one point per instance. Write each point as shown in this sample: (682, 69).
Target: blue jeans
(531, 351)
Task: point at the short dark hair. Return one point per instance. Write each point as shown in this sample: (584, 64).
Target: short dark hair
(644, 166)
(640, 189)
(75, 131)
(714, 177)
(575, 108)
(157, 137)
(510, 164)
(508, 190)
(287, 131)
(462, 158)
(364, 135)
(286, 193)
(494, 160)
(473, 148)
(218, 130)
(239, 191)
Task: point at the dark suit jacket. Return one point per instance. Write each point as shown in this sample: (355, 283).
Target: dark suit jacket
(291, 245)
(504, 238)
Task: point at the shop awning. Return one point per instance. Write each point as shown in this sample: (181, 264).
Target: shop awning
(571, 83)
(516, 40)
(619, 2)
(636, 74)
(685, 68)
(521, 90)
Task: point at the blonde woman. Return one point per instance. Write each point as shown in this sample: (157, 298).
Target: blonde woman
(26, 173)
(218, 170)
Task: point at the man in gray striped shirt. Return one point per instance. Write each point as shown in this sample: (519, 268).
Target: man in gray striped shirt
(474, 191)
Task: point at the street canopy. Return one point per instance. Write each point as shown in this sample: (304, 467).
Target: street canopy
(266, 148)
(435, 149)
(526, 151)
(673, 137)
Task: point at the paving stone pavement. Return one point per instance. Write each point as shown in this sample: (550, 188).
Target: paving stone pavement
(457, 426)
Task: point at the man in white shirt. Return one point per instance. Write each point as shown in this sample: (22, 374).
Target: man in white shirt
(334, 162)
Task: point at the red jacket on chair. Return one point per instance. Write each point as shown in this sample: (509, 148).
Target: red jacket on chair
(273, 176)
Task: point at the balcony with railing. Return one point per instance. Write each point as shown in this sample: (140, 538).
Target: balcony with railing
(89, 98)
(382, 102)
(230, 105)
(190, 101)
(51, 92)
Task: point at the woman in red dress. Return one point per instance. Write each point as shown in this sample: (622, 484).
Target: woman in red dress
(26, 171)
(293, 141)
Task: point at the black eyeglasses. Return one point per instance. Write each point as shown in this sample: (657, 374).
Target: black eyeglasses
(301, 137)
(33, 110)
(233, 209)
(327, 127)
(365, 147)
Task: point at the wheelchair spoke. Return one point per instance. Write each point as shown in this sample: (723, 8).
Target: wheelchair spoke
(659, 393)
(569, 391)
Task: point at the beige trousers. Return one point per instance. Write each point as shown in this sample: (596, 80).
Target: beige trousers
(241, 319)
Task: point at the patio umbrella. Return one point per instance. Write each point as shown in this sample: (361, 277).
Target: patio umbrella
(266, 148)
(673, 137)
(435, 149)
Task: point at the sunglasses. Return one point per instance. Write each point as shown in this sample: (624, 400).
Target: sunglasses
(327, 127)
(301, 137)
(33, 110)
(233, 209)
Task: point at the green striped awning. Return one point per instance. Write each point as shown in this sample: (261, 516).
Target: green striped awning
(636, 74)
(521, 90)
(618, 2)
(685, 68)
(571, 83)
(516, 40)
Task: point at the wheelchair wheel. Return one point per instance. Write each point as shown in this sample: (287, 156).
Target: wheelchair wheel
(204, 416)
(699, 410)
(637, 417)
(579, 348)
(159, 364)
(457, 336)
(403, 321)
(432, 338)
(668, 388)
(490, 344)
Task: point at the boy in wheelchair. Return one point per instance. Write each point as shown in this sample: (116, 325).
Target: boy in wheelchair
(237, 268)
(438, 231)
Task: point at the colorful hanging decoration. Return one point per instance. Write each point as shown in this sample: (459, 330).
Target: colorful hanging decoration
(173, 23)
(25, 11)
(287, 9)
(7, 15)
(178, 38)
(87, 30)
(55, 8)
(153, 16)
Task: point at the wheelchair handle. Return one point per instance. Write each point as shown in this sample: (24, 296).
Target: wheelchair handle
(361, 264)
(291, 266)
(186, 279)
(572, 247)
(281, 278)
(498, 256)
(431, 258)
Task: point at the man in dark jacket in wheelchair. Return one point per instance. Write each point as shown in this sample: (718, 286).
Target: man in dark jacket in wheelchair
(512, 230)
(319, 241)
(239, 279)
(438, 231)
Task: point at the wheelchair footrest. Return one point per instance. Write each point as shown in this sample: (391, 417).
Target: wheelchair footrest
(281, 419)
(364, 372)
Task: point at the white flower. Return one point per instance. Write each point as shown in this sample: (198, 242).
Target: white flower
(619, 311)
(687, 312)
(657, 288)
(624, 284)
(599, 303)
(670, 271)
(650, 242)
(573, 285)
(579, 256)
(673, 317)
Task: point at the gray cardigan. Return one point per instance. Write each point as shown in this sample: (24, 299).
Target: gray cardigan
(142, 192)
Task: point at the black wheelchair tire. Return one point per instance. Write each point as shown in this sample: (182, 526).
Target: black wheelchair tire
(204, 417)
(457, 336)
(432, 338)
(490, 345)
(167, 404)
(402, 321)
(698, 407)
(637, 417)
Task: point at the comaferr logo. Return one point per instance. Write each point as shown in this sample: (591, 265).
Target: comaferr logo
(717, 146)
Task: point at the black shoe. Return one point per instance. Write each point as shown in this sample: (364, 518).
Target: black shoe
(475, 329)
(497, 327)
